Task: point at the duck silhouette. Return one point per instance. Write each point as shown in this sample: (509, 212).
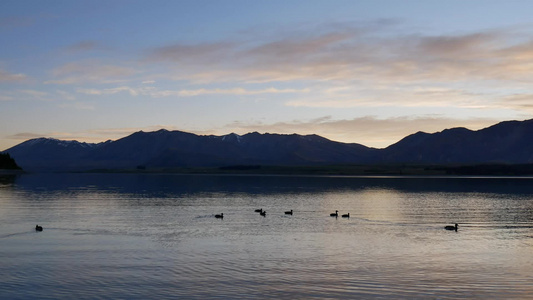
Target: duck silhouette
(263, 213)
(38, 228)
(221, 216)
(335, 214)
(288, 212)
(259, 210)
(449, 227)
(346, 215)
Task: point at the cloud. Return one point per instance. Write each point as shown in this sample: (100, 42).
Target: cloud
(196, 54)
(156, 93)
(83, 46)
(65, 95)
(352, 97)
(290, 50)
(352, 54)
(475, 70)
(6, 98)
(10, 77)
(455, 47)
(111, 91)
(90, 72)
(521, 101)
(234, 91)
(28, 95)
(342, 65)
(34, 93)
(23, 136)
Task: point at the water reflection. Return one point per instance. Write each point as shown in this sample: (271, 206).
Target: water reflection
(7, 180)
(155, 236)
(260, 184)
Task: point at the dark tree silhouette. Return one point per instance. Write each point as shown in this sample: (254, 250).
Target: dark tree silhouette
(7, 162)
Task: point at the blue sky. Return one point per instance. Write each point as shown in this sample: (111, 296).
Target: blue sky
(368, 72)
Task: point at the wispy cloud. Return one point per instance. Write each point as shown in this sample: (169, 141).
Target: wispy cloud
(350, 97)
(341, 66)
(195, 54)
(110, 91)
(369, 66)
(6, 98)
(354, 55)
(90, 71)
(154, 92)
(389, 64)
(233, 91)
(10, 77)
(522, 101)
(23, 136)
(27, 95)
(83, 46)
(66, 95)
(30, 95)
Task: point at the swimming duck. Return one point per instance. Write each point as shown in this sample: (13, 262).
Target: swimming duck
(263, 213)
(259, 210)
(288, 212)
(38, 228)
(451, 227)
(335, 214)
(346, 215)
(219, 216)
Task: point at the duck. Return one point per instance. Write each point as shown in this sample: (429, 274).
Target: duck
(259, 210)
(288, 212)
(335, 214)
(38, 228)
(449, 227)
(346, 215)
(263, 213)
(221, 216)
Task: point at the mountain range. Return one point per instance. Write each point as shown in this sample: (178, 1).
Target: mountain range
(509, 142)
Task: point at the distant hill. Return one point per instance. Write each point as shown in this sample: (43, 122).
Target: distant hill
(507, 142)
(172, 149)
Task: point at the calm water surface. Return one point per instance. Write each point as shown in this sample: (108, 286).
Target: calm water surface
(130, 236)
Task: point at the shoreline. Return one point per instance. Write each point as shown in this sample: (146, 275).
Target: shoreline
(324, 170)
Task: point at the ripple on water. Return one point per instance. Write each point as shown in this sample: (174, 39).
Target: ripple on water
(136, 242)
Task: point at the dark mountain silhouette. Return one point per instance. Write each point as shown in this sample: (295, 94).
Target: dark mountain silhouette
(171, 149)
(507, 142)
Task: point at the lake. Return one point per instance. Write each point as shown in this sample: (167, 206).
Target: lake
(139, 236)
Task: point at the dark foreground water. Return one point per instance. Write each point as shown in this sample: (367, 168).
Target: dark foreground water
(132, 236)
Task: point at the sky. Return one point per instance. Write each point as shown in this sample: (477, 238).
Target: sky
(368, 72)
